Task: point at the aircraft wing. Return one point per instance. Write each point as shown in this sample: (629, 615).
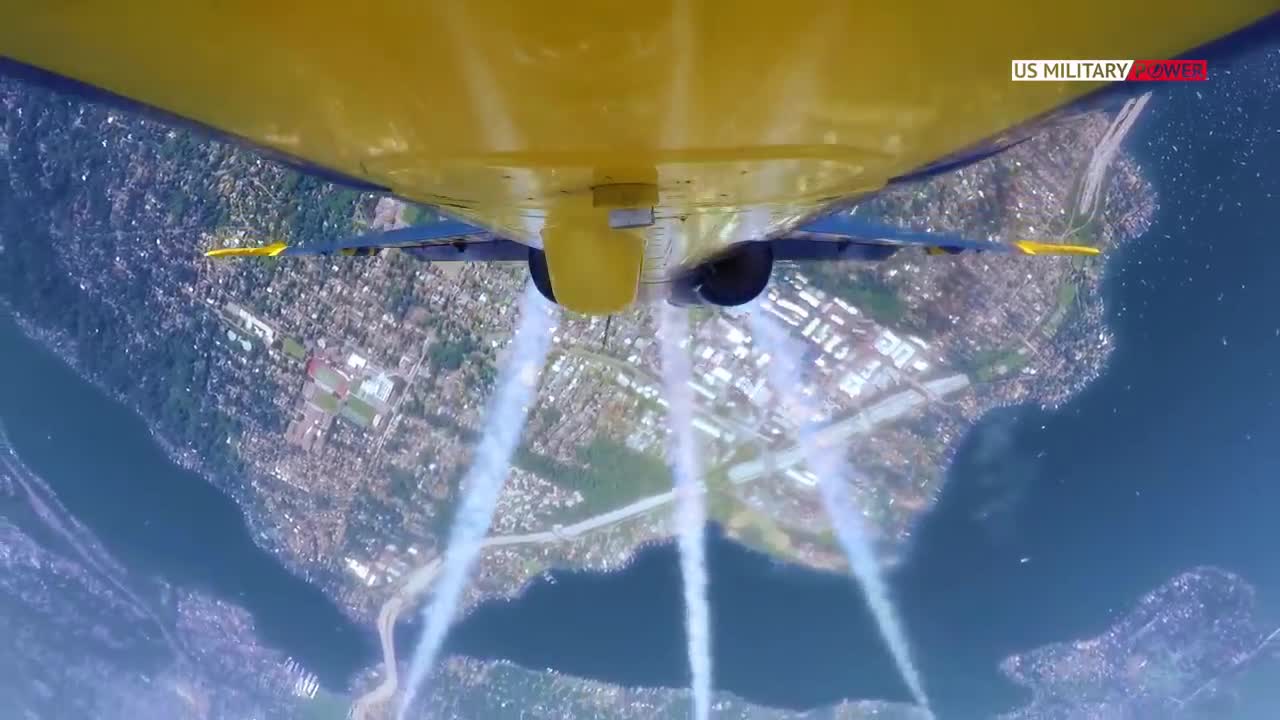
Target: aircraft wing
(609, 138)
(847, 236)
(448, 240)
(492, 110)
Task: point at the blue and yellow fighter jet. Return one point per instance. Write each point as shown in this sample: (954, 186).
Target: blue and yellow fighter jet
(624, 150)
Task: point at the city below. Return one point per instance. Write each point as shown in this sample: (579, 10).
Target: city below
(338, 402)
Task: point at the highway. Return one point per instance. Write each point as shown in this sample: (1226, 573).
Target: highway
(415, 584)
(419, 581)
(1104, 152)
(569, 532)
(839, 432)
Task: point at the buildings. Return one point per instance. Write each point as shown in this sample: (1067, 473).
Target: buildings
(252, 324)
(343, 385)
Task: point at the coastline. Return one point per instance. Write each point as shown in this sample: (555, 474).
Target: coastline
(66, 351)
(65, 348)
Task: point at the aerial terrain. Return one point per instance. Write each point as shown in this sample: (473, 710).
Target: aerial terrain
(336, 402)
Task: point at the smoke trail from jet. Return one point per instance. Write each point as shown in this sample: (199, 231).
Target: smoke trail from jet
(691, 512)
(833, 471)
(505, 420)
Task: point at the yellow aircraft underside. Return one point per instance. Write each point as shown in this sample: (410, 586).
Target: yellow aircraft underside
(747, 115)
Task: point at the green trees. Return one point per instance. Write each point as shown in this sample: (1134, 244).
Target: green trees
(403, 484)
(62, 179)
(448, 355)
(862, 290)
(316, 210)
(610, 476)
(177, 386)
(608, 473)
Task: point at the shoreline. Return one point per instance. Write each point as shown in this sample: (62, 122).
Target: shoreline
(56, 342)
(66, 350)
(1103, 155)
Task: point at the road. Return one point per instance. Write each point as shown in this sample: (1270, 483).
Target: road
(1108, 146)
(840, 432)
(394, 414)
(419, 581)
(569, 532)
(416, 583)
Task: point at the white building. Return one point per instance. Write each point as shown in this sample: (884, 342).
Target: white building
(379, 387)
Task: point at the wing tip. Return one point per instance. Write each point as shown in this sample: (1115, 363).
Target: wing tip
(271, 250)
(1031, 247)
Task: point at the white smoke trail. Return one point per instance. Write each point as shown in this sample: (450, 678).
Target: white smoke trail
(833, 472)
(505, 420)
(691, 512)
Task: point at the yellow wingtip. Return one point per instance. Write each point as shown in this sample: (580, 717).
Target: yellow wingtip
(1030, 247)
(271, 250)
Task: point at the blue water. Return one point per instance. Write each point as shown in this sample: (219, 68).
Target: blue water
(161, 521)
(782, 635)
(1168, 461)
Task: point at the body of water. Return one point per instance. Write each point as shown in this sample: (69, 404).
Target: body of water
(160, 520)
(1166, 462)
